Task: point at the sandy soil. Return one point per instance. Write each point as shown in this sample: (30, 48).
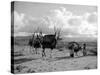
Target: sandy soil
(60, 61)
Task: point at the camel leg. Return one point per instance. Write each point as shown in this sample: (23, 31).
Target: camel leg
(30, 49)
(36, 50)
(72, 53)
(84, 53)
(43, 53)
(76, 54)
(31, 52)
(51, 53)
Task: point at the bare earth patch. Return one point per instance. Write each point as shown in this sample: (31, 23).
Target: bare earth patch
(28, 62)
(50, 65)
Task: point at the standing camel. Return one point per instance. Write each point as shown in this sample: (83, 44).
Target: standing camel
(74, 47)
(35, 42)
(50, 41)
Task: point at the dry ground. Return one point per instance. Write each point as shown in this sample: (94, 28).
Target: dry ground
(27, 62)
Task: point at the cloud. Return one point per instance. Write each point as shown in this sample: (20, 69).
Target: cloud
(70, 23)
(34, 24)
(24, 23)
(18, 20)
(92, 18)
(74, 22)
(89, 25)
(84, 25)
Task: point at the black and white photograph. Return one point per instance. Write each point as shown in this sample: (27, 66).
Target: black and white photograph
(53, 37)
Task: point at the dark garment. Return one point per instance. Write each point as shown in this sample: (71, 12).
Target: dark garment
(84, 49)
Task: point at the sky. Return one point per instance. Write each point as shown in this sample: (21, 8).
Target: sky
(72, 20)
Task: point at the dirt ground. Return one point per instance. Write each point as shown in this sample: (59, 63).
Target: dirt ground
(26, 61)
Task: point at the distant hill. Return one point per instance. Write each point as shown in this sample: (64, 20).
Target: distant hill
(24, 35)
(63, 38)
(23, 40)
(80, 39)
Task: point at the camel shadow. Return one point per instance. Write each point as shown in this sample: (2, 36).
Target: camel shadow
(68, 57)
(22, 60)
